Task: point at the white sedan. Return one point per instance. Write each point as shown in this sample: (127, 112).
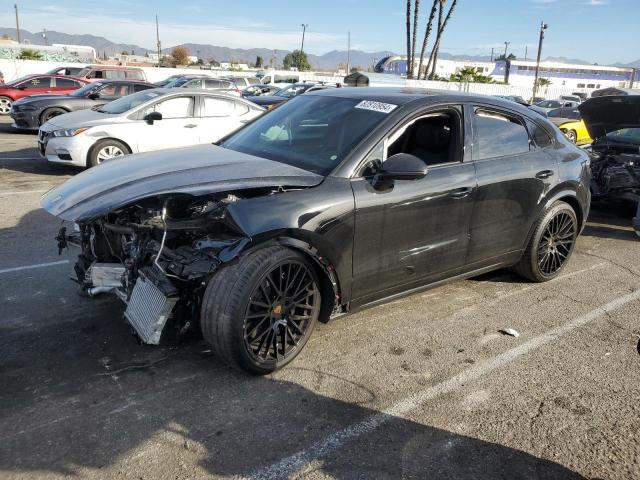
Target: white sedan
(150, 120)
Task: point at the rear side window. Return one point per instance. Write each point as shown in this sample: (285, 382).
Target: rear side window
(540, 136)
(67, 83)
(114, 74)
(138, 87)
(499, 134)
(97, 74)
(136, 74)
(197, 83)
(253, 80)
(218, 107)
(212, 83)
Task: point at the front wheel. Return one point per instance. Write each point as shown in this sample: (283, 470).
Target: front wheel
(105, 150)
(551, 244)
(572, 136)
(5, 105)
(259, 313)
(49, 113)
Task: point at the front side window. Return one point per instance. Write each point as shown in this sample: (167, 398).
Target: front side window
(177, 107)
(498, 134)
(314, 133)
(37, 82)
(114, 74)
(136, 74)
(197, 83)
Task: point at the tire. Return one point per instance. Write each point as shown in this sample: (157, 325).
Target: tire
(99, 152)
(49, 113)
(5, 105)
(248, 324)
(551, 244)
(572, 136)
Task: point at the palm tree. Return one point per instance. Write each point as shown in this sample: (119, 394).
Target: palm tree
(30, 54)
(427, 34)
(442, 24)
(416, 7)
(466, 74)
(408, 35)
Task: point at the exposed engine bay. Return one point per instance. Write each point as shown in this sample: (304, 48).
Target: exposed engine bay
(616, 170)
(157, 256)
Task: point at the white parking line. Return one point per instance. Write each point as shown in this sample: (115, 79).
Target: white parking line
(292, 464)
(37, 265)
(6, 194)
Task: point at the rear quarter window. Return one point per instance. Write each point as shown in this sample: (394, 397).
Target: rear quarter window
(499, 134)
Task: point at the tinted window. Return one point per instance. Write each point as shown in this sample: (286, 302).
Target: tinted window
(37, 82)
(66, 83)
(540, 136)
(311, 132)
(138, 87)
(499, 135)
(253, 80)
(97, 74)
(177, 107)
(197, 83)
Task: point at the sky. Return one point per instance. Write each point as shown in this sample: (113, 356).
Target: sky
(602, 31)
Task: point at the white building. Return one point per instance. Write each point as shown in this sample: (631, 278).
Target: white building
(563, 75)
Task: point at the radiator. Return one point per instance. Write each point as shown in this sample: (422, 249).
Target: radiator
(150, 305)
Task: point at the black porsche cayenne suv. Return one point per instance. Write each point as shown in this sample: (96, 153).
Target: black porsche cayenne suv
(338, 200)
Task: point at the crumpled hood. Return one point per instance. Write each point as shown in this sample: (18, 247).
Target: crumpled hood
(602, 115)
(194, 170)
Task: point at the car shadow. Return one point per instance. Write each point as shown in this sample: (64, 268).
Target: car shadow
(27, 160)
(611, 219)
(5, 127)
(79, 394)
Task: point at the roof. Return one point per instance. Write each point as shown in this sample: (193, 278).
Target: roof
(396, 95)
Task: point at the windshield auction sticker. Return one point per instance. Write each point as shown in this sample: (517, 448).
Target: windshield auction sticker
(376, 106)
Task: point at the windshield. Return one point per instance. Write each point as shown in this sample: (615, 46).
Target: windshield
(124, 104)
(314, 133)
(86, 90)
(18, 80)
(292, 91)
(84, 72)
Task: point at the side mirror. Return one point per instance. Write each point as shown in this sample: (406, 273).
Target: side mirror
(21, 87)
(152, 117)
(401, 166)
(93, 96)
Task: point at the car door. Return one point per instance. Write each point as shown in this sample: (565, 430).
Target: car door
(178, 127)
(221, 115)
(417, 230)
(514, 173)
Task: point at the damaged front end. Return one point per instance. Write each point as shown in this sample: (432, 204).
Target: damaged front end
(156, 255)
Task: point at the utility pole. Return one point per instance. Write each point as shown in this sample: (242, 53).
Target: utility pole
(15, 5)
(506, 45)
(304, 29)
(526, 52)
(348, 53)
(492, 54)
(158, 40)
(44, 36)
(543, 27)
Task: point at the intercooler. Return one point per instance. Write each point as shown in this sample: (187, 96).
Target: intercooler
(150, 306)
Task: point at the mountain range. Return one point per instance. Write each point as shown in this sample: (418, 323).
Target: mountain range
(328, 61)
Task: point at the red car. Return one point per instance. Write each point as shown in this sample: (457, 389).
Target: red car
(34, 85)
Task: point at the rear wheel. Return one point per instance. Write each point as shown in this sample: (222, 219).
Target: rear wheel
(259, 313)
(49, 113)
(105, 150)
(551, 244)
(5, 105)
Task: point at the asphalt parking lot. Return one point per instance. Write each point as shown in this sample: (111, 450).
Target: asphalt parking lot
(424, 387)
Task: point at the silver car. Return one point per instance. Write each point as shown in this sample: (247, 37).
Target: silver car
(153, 119)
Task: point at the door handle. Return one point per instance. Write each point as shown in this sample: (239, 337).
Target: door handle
(544, 174)
(460, 192)
(191, 125)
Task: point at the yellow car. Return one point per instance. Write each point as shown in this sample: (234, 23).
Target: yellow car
(574, 130)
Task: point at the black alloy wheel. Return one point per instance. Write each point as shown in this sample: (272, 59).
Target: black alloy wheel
(556, 243)
(551, 244)
(50, 113)
(280, 312)
(259, 312)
